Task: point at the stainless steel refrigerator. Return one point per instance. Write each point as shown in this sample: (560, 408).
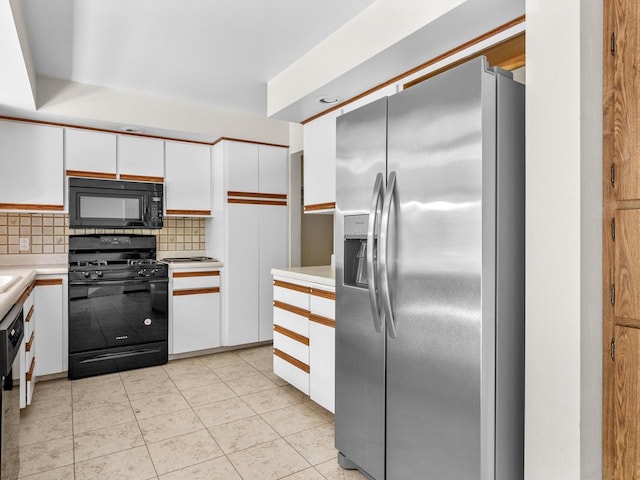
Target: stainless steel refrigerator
(429, 248)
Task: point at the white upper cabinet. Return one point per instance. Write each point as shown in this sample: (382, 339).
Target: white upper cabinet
(140, 158)
(320, 163)
(320, 154)
(187, 179)
(88, 153)
(274, 170)
(242, 167)
(32, 167)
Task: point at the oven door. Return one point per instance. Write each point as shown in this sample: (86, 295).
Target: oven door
(116, 313)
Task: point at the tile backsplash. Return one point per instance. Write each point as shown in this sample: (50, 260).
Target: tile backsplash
(49, 233)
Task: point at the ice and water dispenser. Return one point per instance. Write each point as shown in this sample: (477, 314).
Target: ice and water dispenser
(355, 250)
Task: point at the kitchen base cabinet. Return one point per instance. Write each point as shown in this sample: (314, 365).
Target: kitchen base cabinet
(195, 310)
(50, 299)
(26, 355)
(304, 338)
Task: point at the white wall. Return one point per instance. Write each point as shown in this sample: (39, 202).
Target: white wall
(563, 258)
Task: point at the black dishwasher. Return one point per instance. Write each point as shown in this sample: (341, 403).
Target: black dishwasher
(11, 335)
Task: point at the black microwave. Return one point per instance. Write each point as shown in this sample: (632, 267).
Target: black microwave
(114, 204)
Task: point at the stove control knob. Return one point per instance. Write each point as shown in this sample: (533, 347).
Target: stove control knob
(99, 274)
(86, 274)
(141, 272)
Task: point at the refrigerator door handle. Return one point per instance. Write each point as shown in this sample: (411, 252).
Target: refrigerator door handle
(377, 198)
(382, 254)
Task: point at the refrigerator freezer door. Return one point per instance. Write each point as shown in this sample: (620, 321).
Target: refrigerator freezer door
(441, 259)
(360, 349)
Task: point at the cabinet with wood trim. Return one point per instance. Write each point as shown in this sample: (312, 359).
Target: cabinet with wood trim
(250, 232)
(304, 337)
(32, 167)
(51, 318)
(27, 352)
(140, 159)
(90, 154)
(194, 321)
(320, 163)
(187, 179)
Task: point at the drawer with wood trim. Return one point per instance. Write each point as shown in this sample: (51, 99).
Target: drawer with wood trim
(291, 293)
(291, 343)
(190, 279)
(292, 318)
(291, 370)
(323, 302)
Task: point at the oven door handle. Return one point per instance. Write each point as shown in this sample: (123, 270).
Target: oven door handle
(85, 283)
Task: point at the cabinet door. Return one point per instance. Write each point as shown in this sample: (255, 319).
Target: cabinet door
(273, 253)
(50, 327)
(320, 163)
(627, 403)
(242, 166)
(274, 169)
(31, 161)
(187, 179)
(322, 347)
(140, 159)
(242, 274)
(196, 322)
(88, 153)
(626, 97)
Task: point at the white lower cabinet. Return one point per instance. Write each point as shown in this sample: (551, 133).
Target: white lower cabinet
(26, 354)
(195, 310)
(304, 337)
(52, 332)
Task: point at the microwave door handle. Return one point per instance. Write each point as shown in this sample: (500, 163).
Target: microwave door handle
(372, 236)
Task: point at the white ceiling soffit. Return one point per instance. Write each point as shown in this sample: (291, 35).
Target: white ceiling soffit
(444, 32)
(218, 53)
(17, 81)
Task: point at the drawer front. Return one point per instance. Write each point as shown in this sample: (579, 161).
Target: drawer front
(29, 322)
(323, 306)
(292, 374)
(31, 380)
(196, 279)
(284, 292)
(291, 321)
(291, 347)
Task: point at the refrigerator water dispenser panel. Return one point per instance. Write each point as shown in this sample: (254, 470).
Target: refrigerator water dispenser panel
(355, 250)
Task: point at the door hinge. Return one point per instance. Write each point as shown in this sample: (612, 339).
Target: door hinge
(613, 229)
(613, 174)
(612, 349)
(613, 43)
(613, 294)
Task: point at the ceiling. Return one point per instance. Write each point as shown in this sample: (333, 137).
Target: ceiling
(219, 53)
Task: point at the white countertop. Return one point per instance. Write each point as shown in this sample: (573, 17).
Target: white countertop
(324, 274)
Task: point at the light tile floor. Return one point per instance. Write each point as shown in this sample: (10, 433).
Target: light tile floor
(221, 416)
